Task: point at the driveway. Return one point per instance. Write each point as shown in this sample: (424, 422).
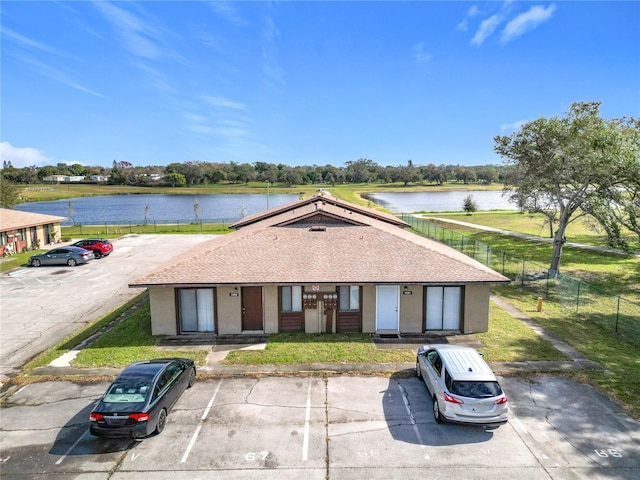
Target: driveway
(41, 306)
(336, 427)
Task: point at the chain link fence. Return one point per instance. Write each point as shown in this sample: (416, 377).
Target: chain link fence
(611, 312)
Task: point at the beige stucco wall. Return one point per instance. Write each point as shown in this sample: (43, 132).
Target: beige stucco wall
(476, 308)
(270, 308)
(229, 309)
(368, 308)
(411, 316)
(163, 311)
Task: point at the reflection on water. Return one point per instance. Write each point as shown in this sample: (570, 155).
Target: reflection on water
(408, 202)
(150, 208)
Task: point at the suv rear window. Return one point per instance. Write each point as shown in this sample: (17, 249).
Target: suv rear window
(476, 389)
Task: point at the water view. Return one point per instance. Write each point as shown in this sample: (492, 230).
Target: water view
(150, 208)
(407, 202)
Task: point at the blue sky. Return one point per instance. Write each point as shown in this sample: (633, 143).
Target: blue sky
(304, 82)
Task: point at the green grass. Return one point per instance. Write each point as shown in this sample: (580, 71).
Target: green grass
(509, 340)
(580, 231)
(77, 232)
(130, 341)
(612, 272)
(17, 260)
(304, 348)
(593, 338)
(84, 333)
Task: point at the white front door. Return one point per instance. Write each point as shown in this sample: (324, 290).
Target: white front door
(387, 311)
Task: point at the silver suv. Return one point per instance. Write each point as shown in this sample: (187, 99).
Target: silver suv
(461, 384)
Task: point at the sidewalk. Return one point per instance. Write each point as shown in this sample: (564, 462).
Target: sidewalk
(217, 353)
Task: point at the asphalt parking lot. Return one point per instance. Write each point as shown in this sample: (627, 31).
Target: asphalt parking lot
(41, 306)
(338, 427)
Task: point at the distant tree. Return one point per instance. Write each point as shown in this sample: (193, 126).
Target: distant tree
(562, 167)
(9, 193)
(469, 205)
(487, 174)
(174, 180)
(362, 170)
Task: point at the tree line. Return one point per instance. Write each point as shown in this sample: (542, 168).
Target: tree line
(193, 173)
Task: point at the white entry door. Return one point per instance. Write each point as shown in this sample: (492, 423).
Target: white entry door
(387, 311)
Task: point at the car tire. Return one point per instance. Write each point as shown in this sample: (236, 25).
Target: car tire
(192, 377)
(162, 421)
(35, 263)
(72, 262)
(418, 371)
(97, 254)
(436, 411)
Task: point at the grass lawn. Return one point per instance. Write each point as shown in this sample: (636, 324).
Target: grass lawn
(580, 231)
(609, 271)
(303, 348)
(509, 340)
(620, 356)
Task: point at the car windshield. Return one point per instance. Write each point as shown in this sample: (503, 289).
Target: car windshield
(476, 389)
(127, 393)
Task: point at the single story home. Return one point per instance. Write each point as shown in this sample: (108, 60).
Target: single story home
(320, 265)
(20, 231)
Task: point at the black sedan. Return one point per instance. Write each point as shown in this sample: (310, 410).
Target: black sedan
(136, 404)
(71, 256)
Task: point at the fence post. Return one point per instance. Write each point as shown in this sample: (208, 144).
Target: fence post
(617, 315)
(106, 229)
(522, 280)
(130, 230)
(503, 255)
(578, 297)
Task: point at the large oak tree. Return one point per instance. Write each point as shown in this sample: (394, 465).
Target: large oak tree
(571, 166)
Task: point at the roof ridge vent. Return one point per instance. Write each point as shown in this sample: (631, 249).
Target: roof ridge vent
(318, 228)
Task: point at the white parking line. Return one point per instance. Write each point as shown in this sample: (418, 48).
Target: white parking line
(66, 454)
(305, 442)
(199, 427)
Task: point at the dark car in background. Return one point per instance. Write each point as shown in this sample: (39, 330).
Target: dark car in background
(71, 256)
(101, 247)
(136, 404)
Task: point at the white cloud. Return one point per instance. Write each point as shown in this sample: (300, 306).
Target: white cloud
(27, 42)
(224, 103)
(526, 21)
(487, 27)
(512, 127)
(420, 54)
(227, 11)
(132, 29)
(23, 156)
(473, 11)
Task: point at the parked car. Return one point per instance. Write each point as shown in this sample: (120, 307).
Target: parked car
(101, 247)
(71, 256)
(136, 404)
(461, 384)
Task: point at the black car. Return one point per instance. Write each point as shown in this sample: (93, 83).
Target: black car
(136, 404)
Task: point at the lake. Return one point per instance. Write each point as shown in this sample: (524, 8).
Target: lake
(125, 209)
(226, 208)
(453, 201)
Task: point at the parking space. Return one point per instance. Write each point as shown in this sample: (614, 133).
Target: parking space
(41, 306)
(311, 427)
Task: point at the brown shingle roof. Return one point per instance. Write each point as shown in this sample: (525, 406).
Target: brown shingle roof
(364, 250)
(13, 219)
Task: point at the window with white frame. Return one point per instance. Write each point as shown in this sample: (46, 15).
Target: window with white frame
(443, 308)
(196, 309)
(291, 298)
(349, 298)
